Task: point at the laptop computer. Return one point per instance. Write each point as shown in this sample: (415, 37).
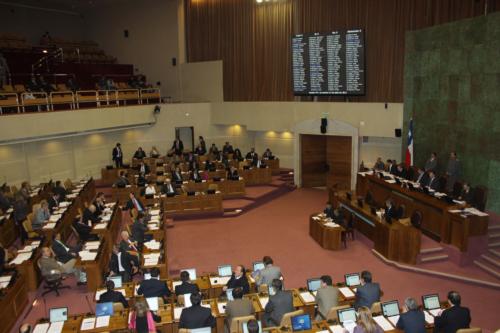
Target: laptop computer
(313, 284)
(229, 294)
(346, 315)
(258, 265)
(225, 270)
(201, 330)
(192, 273)
(117, 280)
(352, 279)
(301, 323)
(391, 311)
(152, 303)
(104, 309)
(431, 303)
(58, 315)
(245, 327)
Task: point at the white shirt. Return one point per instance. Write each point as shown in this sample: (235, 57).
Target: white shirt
(150, 190)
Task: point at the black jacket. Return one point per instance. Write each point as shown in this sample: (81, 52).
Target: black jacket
(130, 204)
(412, 322)
(138, 230)
(53, 204)
(115, 153)
(114, 297)
(186, 288)
(452, 319)
(62, 255)
(242, 282)
(153, 288)
(61, 191)
(196, 316)
(89, 216)
(125, 261)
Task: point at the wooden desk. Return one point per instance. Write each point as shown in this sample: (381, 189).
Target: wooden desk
(396, 241)
(110, 233)
(436, 218)
(327, 237)
(12, 303)
(228, 188)
(110, 176)
(256, 176)
(274, 165)
(184, 204)
(95, 269)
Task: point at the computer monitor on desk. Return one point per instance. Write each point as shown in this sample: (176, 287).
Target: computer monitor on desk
(58, 315)
(390, 308)
(225, 270)
(301, 323)
(258, 265)
(431, 302)
(104, 309)
(313, 284)
(346, 315)
(152, 303)
(192, 273)
(117, 280)
(352, 279)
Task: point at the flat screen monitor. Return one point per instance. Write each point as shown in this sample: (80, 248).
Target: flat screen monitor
(229, 294)
(346, 315)
(352, 279)
(258, 265)
(104, 309)
(313, 284)
(147, 276)
(225, 270)
(390, 308)
(301, 323)
(245, 327)
(152, 303)
(431, 301)
(117, 280)
(192, 273)
(58, 314)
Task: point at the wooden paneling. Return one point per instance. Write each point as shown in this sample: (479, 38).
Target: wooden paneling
(339, 157)
(313, 157)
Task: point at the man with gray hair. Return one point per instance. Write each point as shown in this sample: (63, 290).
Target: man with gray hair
(412, 320)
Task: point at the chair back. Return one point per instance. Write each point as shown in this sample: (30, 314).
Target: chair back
(263, 288)
(457, 189)
(470, 330)
(376, 308)
(75, 233)
(286, 321)
(401, 211)
(237, 323)
(27, 224)
(68, 184)
(416, 219)
(118, 307)
(332, 313)
(180, 299)
(480, 197)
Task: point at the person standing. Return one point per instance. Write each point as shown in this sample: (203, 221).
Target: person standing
(452, 171)
(118, 155)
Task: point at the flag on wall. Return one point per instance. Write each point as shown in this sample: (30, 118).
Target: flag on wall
(409, 148)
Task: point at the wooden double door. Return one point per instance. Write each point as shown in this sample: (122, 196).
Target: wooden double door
(326, 160)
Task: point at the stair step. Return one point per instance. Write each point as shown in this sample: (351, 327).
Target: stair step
(494, 227)
(495, 252)
(434, 258)
(494, 244)
(431, 250)
(491, 260)
(495, 235)
(485, 266)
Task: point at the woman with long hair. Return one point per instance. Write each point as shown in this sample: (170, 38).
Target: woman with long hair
(365, 323)
(142, 320)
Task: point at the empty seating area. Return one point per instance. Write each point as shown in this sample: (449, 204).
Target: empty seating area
(84, 51)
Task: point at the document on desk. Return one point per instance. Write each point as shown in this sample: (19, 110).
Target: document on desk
(50, 225)
(331, 225)
(383, 323)
(87, 255)
(87, 324)
(153, 245)
(307, 297)
(26, 248)
(219, 280)
(346, 292)
(106, 218)
(263, 301)
(336, 329)
(100, 226)
(155, 212)
(476, 212)
(20, 258)
(5, 278)
(390, 181)
(222, 307)
(55, 217)
(435, 312)
(177, 313)
(455, 211)
(102, 321)
(41, 328)
(56, 327)
(429, 319)
(459, 202)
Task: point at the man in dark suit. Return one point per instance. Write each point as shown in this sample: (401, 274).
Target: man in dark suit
(59, 189)
(227, 148)
(138, 230)
(433, 182)
(84, 229)
(195, 175)
(196, 316)
(210, 165)
(391, 166)
(178, 147)
(466, 194)
(112, 296)
(53, 202)
(120, 264)
(133, 202)
(118, 155)
(139, 154)
(122, 180)
(328, 210)
(168, 188)
(279, 304)
(143, 169)
(421, 177)
(154, 287)
(251, 155)
(238, 280)
(412, 320)
(186, 287)
(431, 163)
(89, 215)
(177, 175)
(368, 293)
(390, 211)
(454, 318)
(62, 252)
(238, 307)
(401, 171)
(232, 174)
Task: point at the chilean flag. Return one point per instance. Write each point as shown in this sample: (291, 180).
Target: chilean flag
(409, 148)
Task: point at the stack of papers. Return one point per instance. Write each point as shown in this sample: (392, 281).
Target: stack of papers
(153, 245)
(100, 226)
(26, 248)
(336, 329)
(219, 280)
(20, 258)
(87, 255)
(155, 212)
(64, 204)
(316, 218)
(331, 225)
(263, 301)
(94, 245)
(428, 318)
(439, 194)
(151, 259)
(55, 217)
(106, 218)
(72, 195)
(41, 328)
(56, 327)
(4, 281)
(346, 292)
(102, 321)
(475, 211)
(177, 313)
(87, 324)
(50, 225)
(390, 181)
(110, 204)
(307, 297)
(383, 323)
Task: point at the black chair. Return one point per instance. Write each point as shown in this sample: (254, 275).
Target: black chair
(457, 189)
(480, 197)
(53, 281)
(416, 219)
(401, 211)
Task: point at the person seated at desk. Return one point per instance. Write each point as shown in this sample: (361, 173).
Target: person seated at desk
(232, 174)
(238, 307)
(62, 252)
(121, 264)
(237, 156)
(466, 194)
(112, 296)
(251, 154)
(99, 204)
(368, 293)
(139, 229)
(420, 177)
(186, 287)
(326, 297)
(279, 304)
(53, 202)
(412, 320)
(168, 188)
(133, 202)
(154, 153)
(4, 258)
(49, 264)
(130, 247)
(256, 162)
(431, 163)
(210, 165)
(268, 274)
(365, 322)
(199, 150)
(213, 150)
(42, 216)
(379, 164)
(196, 316)
(328, 210)
(5, 202)
(122, 180)
(177, 147)
(25, 191)
(454, 318)
(432, 182)
(153, 287)
(401, 171)
(267, 155)
(143, 169)
(177, 175)
(142, 320)
(139, 154)
(59, 189)
(89, 217)
(150, 189)
(195, 175)
(21, 211)
(84, 230)
(227, 148)
(390, 212)
(391, 166)
(238, 280)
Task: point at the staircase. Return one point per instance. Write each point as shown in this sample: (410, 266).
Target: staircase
(490, 261)
(432, 254)
(287, 176)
